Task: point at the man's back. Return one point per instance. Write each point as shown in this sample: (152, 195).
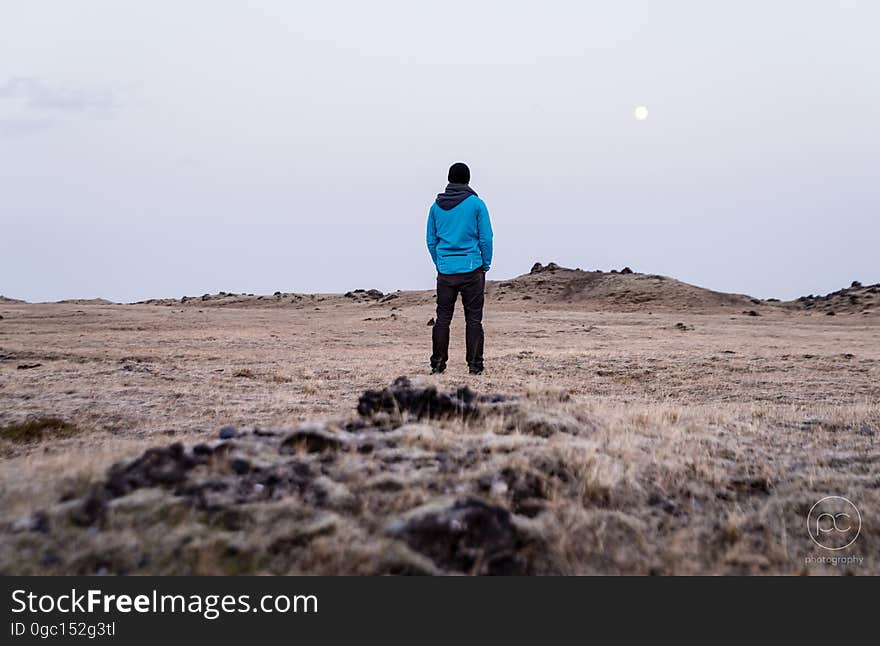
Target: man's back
(460, 237)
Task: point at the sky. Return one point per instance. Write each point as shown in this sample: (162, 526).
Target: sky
(164, 148)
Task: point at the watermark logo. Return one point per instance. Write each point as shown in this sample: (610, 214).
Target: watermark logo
(834, 523)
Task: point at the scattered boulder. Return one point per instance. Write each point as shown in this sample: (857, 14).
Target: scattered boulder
(157, 467)
(403, 396)
(626, 270)
(228, 432)
(538, 268)
(468, 536)
(365, 294)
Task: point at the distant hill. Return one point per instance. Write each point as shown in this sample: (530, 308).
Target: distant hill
(86, 301)
(855, 299)
(623, 290)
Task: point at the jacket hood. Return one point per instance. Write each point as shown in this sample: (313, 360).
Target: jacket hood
(454, 195)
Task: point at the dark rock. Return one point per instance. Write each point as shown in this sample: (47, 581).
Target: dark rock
(666, 504)
(431, 322)
(751, 313)
(626, 270)
(93, 511)
(856, 284)
(421, 402)
(468, 536)
(527, 490)
(538, 268)
(28, 366)
(829, 313)
(202, 449)
(373, 294)
(156, 467)
(239, 466)
(36, 522)
(51, 559)
(228, 432)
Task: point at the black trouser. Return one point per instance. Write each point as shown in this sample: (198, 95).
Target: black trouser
(471, 287)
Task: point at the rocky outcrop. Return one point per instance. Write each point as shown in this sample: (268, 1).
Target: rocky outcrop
(389, 484)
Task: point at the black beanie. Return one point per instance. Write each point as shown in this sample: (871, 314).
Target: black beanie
(459, 173)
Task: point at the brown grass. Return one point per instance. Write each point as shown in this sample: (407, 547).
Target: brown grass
(37, 429)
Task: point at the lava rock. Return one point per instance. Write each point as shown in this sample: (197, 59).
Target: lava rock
(93, 511)
(422, 402)
(538, 268)
(157, 467)
(365, 294)
(468, 536)
(239, 466)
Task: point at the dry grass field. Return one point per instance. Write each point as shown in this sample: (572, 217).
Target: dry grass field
(641, 426)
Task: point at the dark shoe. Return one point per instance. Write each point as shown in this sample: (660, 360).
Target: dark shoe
(476, 370)
(436, 370)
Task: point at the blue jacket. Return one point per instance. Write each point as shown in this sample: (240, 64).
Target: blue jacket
(460, 239)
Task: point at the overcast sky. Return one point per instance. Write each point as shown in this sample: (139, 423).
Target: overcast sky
(167, 148)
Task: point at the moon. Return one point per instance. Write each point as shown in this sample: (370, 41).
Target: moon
(641, 113)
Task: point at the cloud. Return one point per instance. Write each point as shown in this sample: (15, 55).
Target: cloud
(16, 127)
(29, 104)
(37, 94)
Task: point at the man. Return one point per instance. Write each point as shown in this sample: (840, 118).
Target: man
(460, 243)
